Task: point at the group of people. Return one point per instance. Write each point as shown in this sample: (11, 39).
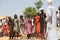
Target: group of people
(28, 26)
(38, 25)
(43, 25)
(25, 27)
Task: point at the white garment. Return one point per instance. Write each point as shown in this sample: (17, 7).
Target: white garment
(4, 21)
(32, 22)
(58, 32)
(51, 33)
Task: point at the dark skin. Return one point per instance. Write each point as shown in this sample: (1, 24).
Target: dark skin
(44, 16)
(59, 8)
(10, 24)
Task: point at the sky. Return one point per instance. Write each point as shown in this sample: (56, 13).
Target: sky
(11, 7)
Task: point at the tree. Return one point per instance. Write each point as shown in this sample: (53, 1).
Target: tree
(30, 10)
(38, 4)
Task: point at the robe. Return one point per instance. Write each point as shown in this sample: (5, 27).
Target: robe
(37, 22)
(51, 19)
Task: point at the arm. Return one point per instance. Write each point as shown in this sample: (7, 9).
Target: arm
(48, 16)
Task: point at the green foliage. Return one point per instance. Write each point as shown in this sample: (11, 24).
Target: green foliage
(38, 4)
(30, 10)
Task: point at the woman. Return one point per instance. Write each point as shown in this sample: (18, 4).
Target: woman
(5, 27)
(22, 26)
(10, 24)
(28, 26)
(37, 24)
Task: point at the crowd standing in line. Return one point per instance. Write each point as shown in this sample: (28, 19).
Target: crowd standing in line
(25, 27)
(14, 27)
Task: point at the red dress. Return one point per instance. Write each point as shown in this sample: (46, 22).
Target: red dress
(6, 28)
(37, 19)
(37, 23)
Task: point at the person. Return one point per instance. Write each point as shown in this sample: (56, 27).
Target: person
(58, 16)
(42, 22)
(28, 26)
(51, 33)
(5, 27)
(58, 21)
(11, 25)
(22, 26)
(0, 22)
(1, 32)
(37, 24)
(16, 26)
(33, 27)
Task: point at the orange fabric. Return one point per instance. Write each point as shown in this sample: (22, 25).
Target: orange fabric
(37, 19)
(5, 29)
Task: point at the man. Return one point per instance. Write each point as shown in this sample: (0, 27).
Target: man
(51, 33)
(42, 22)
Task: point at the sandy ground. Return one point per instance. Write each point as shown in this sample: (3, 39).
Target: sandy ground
(33, 38)
(7, 38)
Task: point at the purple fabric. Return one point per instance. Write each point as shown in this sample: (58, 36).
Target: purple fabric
(28, 26)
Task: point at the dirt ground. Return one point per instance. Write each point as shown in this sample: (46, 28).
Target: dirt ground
(7, 38)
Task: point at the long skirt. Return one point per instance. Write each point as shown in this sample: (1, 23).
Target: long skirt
(52, 34)
(5, 29)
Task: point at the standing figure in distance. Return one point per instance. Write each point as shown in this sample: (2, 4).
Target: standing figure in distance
(51, 19)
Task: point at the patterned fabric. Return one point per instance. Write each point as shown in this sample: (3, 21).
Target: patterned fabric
(22, 27)
(28, 25)
(16, 25)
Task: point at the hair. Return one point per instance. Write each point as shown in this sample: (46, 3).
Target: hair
(21, 16)
(28, 16)
(56, 12)
(15, 16)
(59, 8)
(42, 11)
(1, 20)
(9, 18)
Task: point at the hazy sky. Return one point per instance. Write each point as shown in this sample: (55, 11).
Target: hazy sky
(11, 7)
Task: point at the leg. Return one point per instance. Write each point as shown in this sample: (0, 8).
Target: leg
(14, 35)
(17, 35)
(10, 36)
(28, 36)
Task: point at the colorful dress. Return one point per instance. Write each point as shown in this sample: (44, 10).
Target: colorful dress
(37, 23)
(28, 26)
(6, 28)
(16, 25)
(22, 27)
(37, 19)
